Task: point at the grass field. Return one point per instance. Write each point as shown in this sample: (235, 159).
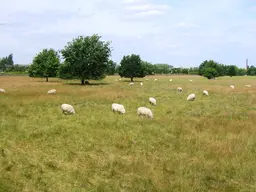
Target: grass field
(205, 145)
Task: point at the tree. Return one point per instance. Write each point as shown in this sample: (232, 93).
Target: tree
(131, 66)
(251, 71)
(232, 70)
(111, 67)
(149, 68)
(45, 64)
(87, 57)
(209, 72)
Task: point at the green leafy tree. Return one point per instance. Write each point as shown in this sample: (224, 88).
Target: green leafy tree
(251, 71)
(232, 70)
(131, 66)
(111, 67)
(149, 68)
(45, 64)
(210, 72)
(86, 57)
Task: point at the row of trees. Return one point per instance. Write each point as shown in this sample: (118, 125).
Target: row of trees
(211, 69)
(88, 58)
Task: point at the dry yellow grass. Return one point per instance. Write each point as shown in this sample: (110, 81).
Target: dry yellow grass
(205, 145)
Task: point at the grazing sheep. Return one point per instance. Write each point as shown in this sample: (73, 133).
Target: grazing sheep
(152, 101)
(131, 84)
(170, 80)
(191, 80)
(155, 79)
(141, 84)
(2, 91)
(248, 86)
(232, 86)
(205, 93)
(179, 89)
(120, 79)
(118, 108)
(146, 79)
(191, 97)
(144, 111)
(67, 109)
(52, 91)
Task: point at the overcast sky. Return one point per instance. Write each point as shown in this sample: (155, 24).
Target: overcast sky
(178, 32)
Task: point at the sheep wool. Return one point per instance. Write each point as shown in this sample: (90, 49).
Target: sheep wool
(2, 91)
(67, 109)
(179, 89)
(152, 101)
(170, 80)
(232, 86)
(118, 108)
(130, 84)
(144, 111)
(191, 97)
(52, 91)
(205, 93)
(141, 84)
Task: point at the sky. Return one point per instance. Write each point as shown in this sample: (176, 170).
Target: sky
(182, 33)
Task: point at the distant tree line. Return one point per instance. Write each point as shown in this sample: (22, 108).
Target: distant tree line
(211, 69)
(88, 58)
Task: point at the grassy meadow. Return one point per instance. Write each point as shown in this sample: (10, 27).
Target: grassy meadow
(205, 145)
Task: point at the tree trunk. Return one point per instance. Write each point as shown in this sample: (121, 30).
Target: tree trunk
(82, 81)
(46, 79)
(131, 79)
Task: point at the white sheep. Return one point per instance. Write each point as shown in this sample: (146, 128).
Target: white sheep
(144, 111)
(141, 84)
(170, 80)
(2, 91)
(155, 79)
(179, 89)
(130, 84)
(205, 93)
(52, 91)
(248, 86)
(120, 79)
(191, 97)
(191, 80)
(118, 108)
(67, 109)
(232, 86)
(146, 79)
(152, 101)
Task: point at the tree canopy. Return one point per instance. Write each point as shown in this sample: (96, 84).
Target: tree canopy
(45, 64)
(86, 58)
(131, 66)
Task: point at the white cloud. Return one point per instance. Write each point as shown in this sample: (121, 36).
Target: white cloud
(182, 32)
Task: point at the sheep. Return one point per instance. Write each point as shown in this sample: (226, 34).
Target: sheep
(232, 86)
(118, 108)
(205, 93)
(2, 91)
(67, 109)
(130, 84)
(155, 79)
(120, 79)
(170, 80)
(191, 97)
(141, 84)
(248, 86)
(52, 91)
(190, 80)
(179, 89)
(144, 111)
(152, 101)
(146, 79)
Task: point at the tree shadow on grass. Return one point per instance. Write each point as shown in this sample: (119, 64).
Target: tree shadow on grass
(86, 84)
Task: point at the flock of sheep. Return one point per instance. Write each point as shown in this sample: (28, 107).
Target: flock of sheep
(68, 109)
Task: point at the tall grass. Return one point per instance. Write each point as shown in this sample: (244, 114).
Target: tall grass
(205, 145)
